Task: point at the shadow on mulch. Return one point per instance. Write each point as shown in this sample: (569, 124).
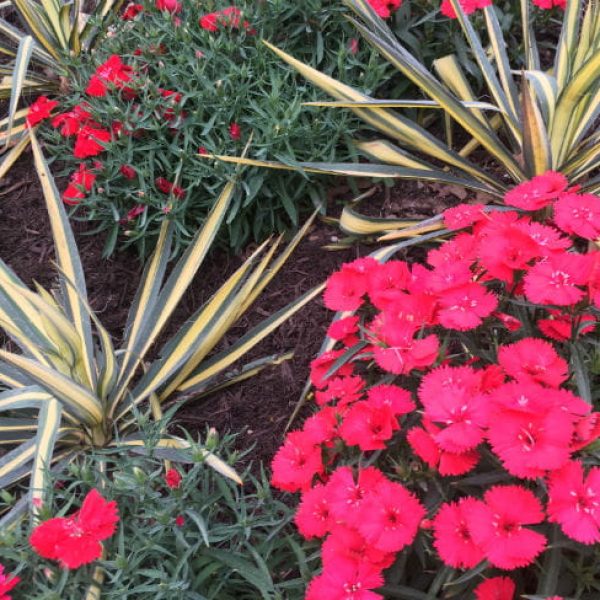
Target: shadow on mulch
(259, 408)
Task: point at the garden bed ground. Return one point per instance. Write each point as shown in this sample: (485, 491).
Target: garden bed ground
(259, 408)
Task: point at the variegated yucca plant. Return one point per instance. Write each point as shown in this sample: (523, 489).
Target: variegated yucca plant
(36, 57)
(535, 119)
(70, 389)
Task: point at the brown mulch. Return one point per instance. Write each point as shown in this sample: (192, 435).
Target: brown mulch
(259, 408)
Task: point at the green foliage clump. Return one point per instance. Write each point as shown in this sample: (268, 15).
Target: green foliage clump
(225, 77)
(208, 539)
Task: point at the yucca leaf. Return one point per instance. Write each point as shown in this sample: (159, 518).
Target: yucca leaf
(20, 319)
(38, 28)
(413, 70)
(585, 161)
(235, 376)
(143, 305)
(177, 283)
(384, 151)
(69, 262)
(546, 92)
(18, 78)
(585, 122)
(494, 86)
(567, 44)
(11, 156)
(387, 122)
(197, 338)
(13, 34)
(107, 372)
(224, 359)
(75, 38)
(451, 73)
(58, 329)
(537, 153)
(277, 264)
(498, 47)
(367, 170)
(563, 125)
(354, 223)
(587, 42)
(76, 399)
(16, 464)
(372, 103)
(13, 378)
(532, 56)
(23, 397)
(47, 433)
(52, 14)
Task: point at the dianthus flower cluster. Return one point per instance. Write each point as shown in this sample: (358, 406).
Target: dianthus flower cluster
(91, 138)
(509, 408)
(470, 6)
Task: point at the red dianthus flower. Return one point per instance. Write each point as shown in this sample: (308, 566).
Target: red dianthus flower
(173, 479)
(296, 462)
(452, 535)
(385, 8)
(7, 583)
(574, 502)
(81, 182)
(89, 141)
(391, 517)
(496, 588)
(313, 517)
(348, 580)
(39, 110)
(578, 214)
(538, 192)
(498, 526)
(532, 359)
(74, 541)
(556, 280)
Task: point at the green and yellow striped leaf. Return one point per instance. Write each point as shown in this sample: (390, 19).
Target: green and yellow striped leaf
(567, 44)
(368, 170)
(69, 262)
(495, 88)
(30, 397)
(546, 92)
(388, 122)
(176, 285)
(498, 47)
(574, 93)
(75, 399)
(16, 464)
(223, 360)
(451, 73)
(372, 103)
(40, 30)
(18, 78)
(47, 433)
(537, 153)
(11, 156)
(532, 56)
(235, 376)
(196, 339)
(138, 323)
